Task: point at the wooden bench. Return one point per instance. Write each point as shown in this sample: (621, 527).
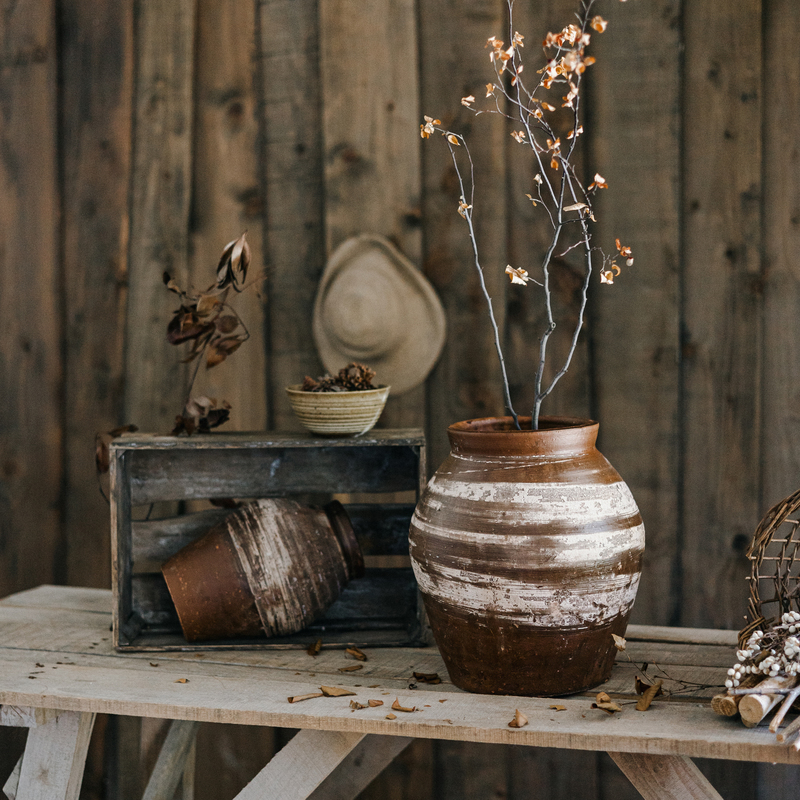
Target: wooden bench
(58, 669)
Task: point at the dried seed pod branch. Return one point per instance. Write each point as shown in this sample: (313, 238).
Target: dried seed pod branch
(557, 186)
(214, 331)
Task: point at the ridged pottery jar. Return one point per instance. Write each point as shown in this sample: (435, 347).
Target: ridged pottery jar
(271, 567)
(527, 547)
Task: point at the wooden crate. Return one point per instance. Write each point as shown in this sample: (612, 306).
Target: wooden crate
(382, 608)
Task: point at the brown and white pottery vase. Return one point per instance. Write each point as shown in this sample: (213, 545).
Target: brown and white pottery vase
(271, 568)
(527, 548)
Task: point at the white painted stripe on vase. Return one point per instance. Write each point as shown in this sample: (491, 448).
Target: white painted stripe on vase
(553, 549)
(543, 502)
(543, 604)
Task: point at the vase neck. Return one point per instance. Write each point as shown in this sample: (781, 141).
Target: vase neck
(498, 437)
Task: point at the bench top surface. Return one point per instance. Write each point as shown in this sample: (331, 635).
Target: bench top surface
(56, 652)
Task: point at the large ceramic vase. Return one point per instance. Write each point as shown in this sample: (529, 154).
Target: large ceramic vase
(527, 548)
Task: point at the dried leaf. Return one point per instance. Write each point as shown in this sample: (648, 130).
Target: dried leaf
(391, 716)
(453, 139)
(605, 703)
(233, 264)
(519, 721)
(559, 708)
(182, 680)
(356, 706)
(649, 694)
(351, 668)
(313, 650)
(375, 703)
(397, 707)
(153, 665)
(575, 207)
(300, 697)
(335, 691)
(356, 653)
(427, 677)
(619, 642)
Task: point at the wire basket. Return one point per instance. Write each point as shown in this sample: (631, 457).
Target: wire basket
(774, 567)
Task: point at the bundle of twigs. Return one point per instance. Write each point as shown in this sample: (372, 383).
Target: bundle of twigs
(767, 673)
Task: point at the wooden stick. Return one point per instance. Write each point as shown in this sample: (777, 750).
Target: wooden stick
(754, 707)
(727, 703)
(791, 728)
(781, 712)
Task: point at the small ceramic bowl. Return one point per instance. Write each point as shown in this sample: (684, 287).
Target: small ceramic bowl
(338, 413)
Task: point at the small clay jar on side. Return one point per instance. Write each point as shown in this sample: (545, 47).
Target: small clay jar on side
(527, 549)
(272, 567)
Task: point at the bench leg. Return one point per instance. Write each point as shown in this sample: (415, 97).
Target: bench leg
(10, 787)
(665, 777)
(172, 760)
(296, 770)
(54, 758)
(364, 763)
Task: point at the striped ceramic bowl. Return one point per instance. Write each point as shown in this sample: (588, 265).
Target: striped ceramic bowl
(338, 413)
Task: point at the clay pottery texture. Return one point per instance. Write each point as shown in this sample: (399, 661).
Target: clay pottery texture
(338, 413)
(527, 547)
(271, 567)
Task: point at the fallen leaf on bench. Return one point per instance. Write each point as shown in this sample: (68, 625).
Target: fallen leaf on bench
(605, 703)
(356, 653)
(298, 697)
(559, 708)
(391, 716)
(375, 703)
(351, 668)
(397, 707)
(182, 680)
(648, 695)
(335, 691)
(427, 677)
(313, 650)
(356, 706)
(519, 721)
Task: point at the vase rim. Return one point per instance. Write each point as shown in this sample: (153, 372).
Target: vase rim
(498, 436)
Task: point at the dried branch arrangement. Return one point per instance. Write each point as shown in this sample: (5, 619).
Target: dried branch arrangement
(765, 677)
(214, 331)
(535, 109)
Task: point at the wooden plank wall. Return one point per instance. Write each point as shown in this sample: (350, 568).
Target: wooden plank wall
(138, 137)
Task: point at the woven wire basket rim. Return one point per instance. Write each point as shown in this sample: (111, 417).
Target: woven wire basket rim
(763, 537)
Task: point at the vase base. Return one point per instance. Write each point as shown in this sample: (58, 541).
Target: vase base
(490, 656)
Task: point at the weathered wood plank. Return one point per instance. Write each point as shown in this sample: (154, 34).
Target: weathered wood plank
(155, 381)
(292, 174)
(240, 694)
(96, 74)
(380, 529)
(10, 786)
(363, 764)
(781, 239)
(30, 309)
(722, 307)
(172, 760)
(635, 324)
(662, 777)
(227, 196)
(52, 767)
(371, 150)
(185, 474)
(301, 765)
(466, 382)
